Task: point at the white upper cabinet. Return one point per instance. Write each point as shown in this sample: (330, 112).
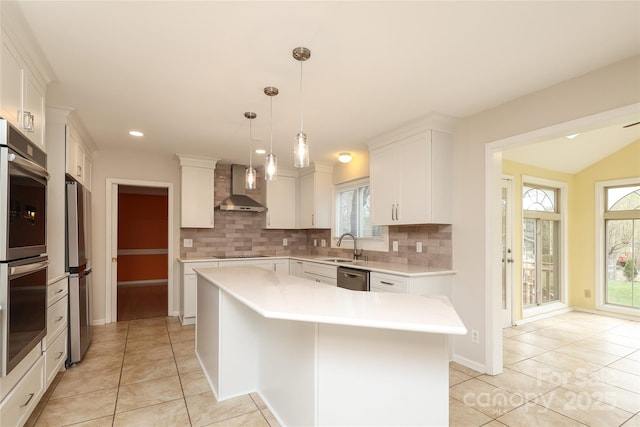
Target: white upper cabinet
(282, 201)
(78, 157)
(315, 189)
(197, 191)
(22, 95)
(410, 180)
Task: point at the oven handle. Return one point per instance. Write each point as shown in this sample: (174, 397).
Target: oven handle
(29, 166)
(29, 268)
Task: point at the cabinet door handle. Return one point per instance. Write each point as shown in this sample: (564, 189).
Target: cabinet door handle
(59, 355)
(393, 210)
(59, 318)
(79, 171)
(398, 212)
(28, 400)
(313, 219)
(27, 121)
(59, 290)
(387, 283)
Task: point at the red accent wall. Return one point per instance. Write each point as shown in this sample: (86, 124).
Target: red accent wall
(142, 224)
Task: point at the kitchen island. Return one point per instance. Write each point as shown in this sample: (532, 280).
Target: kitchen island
(324, 356)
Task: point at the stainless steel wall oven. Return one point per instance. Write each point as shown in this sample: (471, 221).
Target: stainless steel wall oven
(23, 259)
(23, 180)
(24, 308)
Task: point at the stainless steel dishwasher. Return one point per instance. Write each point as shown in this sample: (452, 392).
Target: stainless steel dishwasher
(352, 278)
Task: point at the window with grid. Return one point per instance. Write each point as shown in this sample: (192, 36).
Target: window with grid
(540, 245)
(622, 245)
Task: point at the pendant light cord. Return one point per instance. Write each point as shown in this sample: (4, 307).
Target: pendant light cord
(250, 144)
(271, 128)
(301, 109)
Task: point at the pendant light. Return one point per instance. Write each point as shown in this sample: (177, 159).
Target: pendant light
(250, 174)
(301, 149)
(271, 162)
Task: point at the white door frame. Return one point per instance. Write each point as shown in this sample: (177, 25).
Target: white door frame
(111, 243)
(507, 313)
(493, 245)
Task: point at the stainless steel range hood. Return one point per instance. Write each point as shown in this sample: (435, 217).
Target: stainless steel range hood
(239, 201)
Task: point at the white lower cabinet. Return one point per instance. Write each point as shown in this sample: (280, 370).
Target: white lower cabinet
(381, 282)
(319, 272)
(296, 268)
(316, 271)
(188, 291)
(55, 357)
(56, 320)
(54, 345)
(18, 405)
(431, 285)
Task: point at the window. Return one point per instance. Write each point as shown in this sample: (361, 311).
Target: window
(353, 215)
(540, 245)
(622, 245)
(353, 211)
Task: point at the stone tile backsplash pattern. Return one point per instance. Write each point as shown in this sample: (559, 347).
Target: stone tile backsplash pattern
(242, 234)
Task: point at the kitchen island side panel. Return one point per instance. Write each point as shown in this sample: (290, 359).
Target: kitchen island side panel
(226, 342)
(288, 370)
(370, 376)
(208, 332)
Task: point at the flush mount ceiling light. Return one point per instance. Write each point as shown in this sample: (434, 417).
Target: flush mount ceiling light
(271, 162)
(572, 136)
(344, 157)
(250, 173)
(301, 149)
(261, 151)
(135, 133)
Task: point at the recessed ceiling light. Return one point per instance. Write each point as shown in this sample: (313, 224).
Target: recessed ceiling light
(261, 151)
(135, 133)
(572, 136)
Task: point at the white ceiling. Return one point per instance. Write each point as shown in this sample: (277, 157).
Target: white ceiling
(185, 72)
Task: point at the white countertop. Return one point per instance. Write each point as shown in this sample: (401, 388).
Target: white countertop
(281, 296)
(380, 267)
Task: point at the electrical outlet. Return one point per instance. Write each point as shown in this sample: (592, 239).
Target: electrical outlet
(418, 247)
(188, 243)
(323, 243)
(587, 293)
(285, 242)
(395, 246)
(475, 336)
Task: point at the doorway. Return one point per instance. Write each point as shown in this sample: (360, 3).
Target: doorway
(111, 242)
(142, 272)
(493, 160)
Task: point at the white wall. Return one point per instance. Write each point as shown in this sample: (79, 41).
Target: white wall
(615, 86)
(128, 165)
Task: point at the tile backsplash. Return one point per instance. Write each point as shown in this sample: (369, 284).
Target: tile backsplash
(242, 234)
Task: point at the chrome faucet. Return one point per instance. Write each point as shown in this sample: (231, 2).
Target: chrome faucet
(356, 252)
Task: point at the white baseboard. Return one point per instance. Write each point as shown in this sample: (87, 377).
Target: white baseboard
(98, 322)
(471, 364)
(607, 313)
(544, 315)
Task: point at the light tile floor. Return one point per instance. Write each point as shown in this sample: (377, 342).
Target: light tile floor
(576, 369)
(571, 370)
(143, 373)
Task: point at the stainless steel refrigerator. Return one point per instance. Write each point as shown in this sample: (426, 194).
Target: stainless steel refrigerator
(79, 268)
